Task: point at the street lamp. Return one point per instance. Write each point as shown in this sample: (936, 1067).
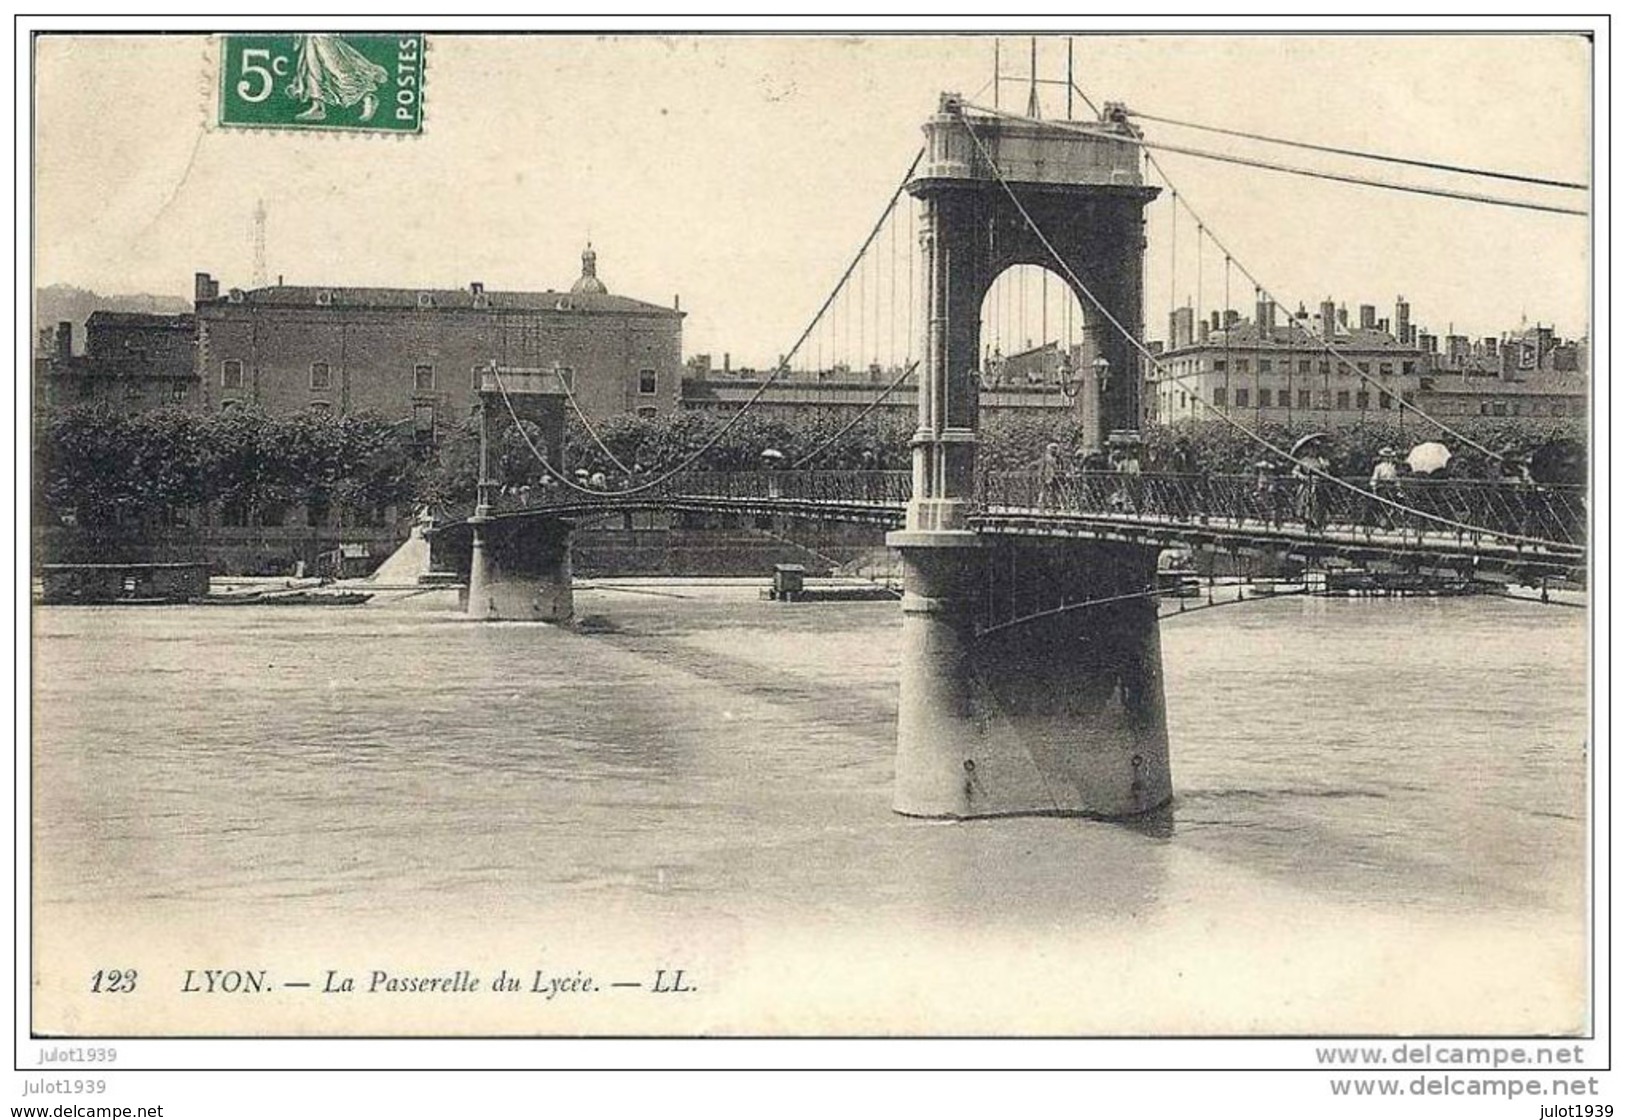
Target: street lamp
(1069, 380)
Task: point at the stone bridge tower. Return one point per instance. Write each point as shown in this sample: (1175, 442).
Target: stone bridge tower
(1064, 716)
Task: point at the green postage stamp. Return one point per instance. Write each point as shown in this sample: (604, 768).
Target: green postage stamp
(352, 83)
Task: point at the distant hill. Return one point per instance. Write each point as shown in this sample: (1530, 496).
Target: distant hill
(66, 303)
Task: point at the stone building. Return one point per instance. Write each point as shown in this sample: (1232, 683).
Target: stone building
(1270, 369)
(417, 352)
(132, 361)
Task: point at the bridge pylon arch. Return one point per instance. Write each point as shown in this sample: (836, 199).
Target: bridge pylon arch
(1067, 717)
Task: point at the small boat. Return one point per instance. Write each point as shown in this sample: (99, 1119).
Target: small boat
(288, 599)
(1265, 588)
(317, 599)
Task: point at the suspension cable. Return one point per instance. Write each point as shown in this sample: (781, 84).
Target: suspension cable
(1430, 164)
(761, 390)
(1182, 378)
(1327, 329)
(1266, 165)
(570, 396)
(870, 407)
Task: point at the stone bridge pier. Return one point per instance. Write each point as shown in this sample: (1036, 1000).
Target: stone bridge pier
(519, 570)
(1061, 714)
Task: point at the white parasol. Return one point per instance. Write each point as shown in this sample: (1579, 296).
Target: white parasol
(1425, 458)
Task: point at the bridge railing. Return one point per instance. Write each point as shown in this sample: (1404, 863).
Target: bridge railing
(1422, 510)
(889, 489)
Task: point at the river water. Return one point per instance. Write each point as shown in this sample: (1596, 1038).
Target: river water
(1379, 826)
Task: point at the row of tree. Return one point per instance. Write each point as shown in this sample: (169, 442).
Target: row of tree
(111, 466)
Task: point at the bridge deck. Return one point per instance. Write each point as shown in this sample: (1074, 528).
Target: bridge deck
(1474, 528)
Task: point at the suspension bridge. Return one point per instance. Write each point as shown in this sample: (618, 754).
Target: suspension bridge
(1031, 666)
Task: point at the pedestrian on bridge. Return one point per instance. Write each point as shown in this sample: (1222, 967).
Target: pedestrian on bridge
(1049, 477)
(1385, 484)
(1310, 468)
(1267, 493)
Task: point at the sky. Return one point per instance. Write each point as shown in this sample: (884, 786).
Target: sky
(742, 172)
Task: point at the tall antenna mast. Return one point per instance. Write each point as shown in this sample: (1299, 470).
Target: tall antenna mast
(260, 276)
(996, 77)
(1032, 78)
(1069, 77)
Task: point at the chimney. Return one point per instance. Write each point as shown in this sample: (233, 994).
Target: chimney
(1368, 317)
(475, 288)
(1201, 330)
(1383, 325)
(1402, 322)
(1217, 325)
(205, 288)
(677, 302)
(1179, 328)
(727, 361)
(64, 340)
(1231, 318)
(1328, 318)
(1264, 316)
(1343, 317)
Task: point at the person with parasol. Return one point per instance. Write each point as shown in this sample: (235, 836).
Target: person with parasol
(772, 459)
(1310, 467)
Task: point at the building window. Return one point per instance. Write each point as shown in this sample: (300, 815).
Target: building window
(231, 373)
(1241, 367)
(646, 382)
(1241, 398)
(1265, 365)
(425, 299)
(1408, 367)
(1218, 365)
(1303, 365)
(324, 298)
(1325, 398)
(1303, 398)
(1263, 398)
(321, 377)
(1364, 367)
(1218, 395)
(1386, 369)
(648, 412)
(1362, 400)
(423, 378)
(230, 406)
(423, 422)
(1385, 399)
(1343, 399)
(177, 393)
(1183, 400)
